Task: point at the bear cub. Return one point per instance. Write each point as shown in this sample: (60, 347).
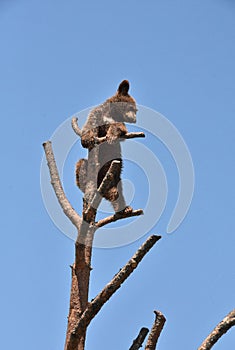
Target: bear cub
(107, 121)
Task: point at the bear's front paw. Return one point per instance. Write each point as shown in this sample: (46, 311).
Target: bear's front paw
(128, 210)
(124, 212)
(111, 139)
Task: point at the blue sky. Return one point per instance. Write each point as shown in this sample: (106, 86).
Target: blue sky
(59, 57)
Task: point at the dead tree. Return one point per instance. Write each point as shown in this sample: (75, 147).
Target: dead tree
(81, 311)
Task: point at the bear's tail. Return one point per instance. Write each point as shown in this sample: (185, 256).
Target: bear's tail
(81, 174)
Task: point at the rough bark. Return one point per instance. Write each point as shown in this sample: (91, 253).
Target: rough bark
(79, 289)
(137, 343)
(96, 304)
(155, 331)
(113, 218)
(219, 330)
(83, 254)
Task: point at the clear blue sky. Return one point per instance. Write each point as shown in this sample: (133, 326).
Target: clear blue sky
(59, 57)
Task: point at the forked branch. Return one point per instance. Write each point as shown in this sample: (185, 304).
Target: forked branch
(58, 188)
(219, 330)
(96, 304)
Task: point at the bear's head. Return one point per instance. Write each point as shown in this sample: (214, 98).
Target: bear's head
(122, 105)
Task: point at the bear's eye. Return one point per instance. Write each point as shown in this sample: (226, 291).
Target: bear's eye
(133, 109)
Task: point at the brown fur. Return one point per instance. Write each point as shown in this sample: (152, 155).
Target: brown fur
(81, 171)
(108, 120)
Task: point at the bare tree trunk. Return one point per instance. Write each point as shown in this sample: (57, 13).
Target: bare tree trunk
(83, 252)
(79, 292)
(83, 247)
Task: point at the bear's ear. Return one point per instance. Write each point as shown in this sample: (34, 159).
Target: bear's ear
(124, 87)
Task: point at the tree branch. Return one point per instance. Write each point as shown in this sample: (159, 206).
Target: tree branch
(58, 188)
(219, 330)
(129, 135)
(99, 140)
(98, 196)
(103, 186)
(137, 343)
(75, 126)
(132, 135)
(115, 217)
(96, 304)
(155, 331)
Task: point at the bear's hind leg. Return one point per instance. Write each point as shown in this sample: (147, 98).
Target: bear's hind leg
(119, 204)
(81, 174)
